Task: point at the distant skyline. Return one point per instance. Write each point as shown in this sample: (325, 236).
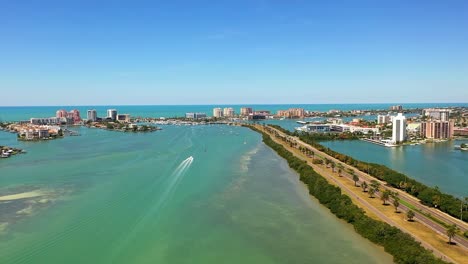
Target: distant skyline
(232, 52)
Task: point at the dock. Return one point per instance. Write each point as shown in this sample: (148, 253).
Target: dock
(380, 143)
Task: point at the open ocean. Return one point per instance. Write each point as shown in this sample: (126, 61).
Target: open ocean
(25, 112)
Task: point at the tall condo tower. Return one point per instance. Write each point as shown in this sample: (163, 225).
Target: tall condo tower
(217, 112)
(399, 129)
(112, 114)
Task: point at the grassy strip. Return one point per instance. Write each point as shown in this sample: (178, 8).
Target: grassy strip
(400, 245)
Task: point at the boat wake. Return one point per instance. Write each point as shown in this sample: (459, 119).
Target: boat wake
(153, 213)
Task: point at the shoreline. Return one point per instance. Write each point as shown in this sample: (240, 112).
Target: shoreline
(360, 200)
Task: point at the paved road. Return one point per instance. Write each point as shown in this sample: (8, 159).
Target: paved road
(402, 195)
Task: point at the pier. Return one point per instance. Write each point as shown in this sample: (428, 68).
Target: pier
(378, 142)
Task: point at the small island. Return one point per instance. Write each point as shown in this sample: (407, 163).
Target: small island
(122, 127)
(6, 152)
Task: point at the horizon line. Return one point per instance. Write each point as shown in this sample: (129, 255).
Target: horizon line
(233, 104)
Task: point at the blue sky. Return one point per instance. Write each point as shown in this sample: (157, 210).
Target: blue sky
(226, 52)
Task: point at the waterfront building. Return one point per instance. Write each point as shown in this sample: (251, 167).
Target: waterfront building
(399, 129)
(245, 111)
(383, 119)
(47, 121)
(75, 115)
(61, 113)
(112, 114)
(316, 128)
(217, 112)
(396, 108)
(335, 121)
(92, 115)
(254, 116)
(228, 112)
(460, 131)
(437, 129)
(292, 113)
(262, 112)
(195, 115)
(354, 129)
(123, 118)
(437, 114)
(43, 133)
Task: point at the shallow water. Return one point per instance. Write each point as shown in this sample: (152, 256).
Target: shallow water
(139, 198)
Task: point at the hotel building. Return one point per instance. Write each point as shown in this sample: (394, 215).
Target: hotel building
(437, 129)
(75, 115)
(123, 118)
(217, 112)
(384, 119)
(437, 114)
(292, 113)
(112, 114)
(92, 115)
(195, 115)
(228, 112)
(245, 111)
(399, 129)
(61, 113)
(396, 107)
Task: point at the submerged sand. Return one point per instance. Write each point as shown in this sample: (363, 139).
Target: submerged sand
(24, 195)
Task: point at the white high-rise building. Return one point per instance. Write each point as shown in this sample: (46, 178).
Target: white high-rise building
(92, 115)
(112, 114)
(399, 129)
(217, 112)
(228, 111)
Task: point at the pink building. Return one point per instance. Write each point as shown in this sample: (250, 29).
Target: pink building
(437, 129)
(61, 113)
(75, 115)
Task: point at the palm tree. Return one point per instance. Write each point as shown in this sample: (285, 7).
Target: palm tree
(340, 168)
(396, 200)
(410, 215)
(364, 186)
(355, 178)
(371, 192)
(375, 184)
(396, 203)
(451, 231)
(385, 196)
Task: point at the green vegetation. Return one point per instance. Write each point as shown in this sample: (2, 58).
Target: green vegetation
(451, 232)
(400, 245)
(385, 196)
(428, 196)
(364, 186)
(396, 200)
(410, 215)
(317, 161)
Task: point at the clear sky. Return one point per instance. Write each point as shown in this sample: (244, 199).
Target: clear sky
(83, 52)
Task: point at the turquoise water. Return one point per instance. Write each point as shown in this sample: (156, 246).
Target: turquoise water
(434, 164)
(109, 197)
(26, 112)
